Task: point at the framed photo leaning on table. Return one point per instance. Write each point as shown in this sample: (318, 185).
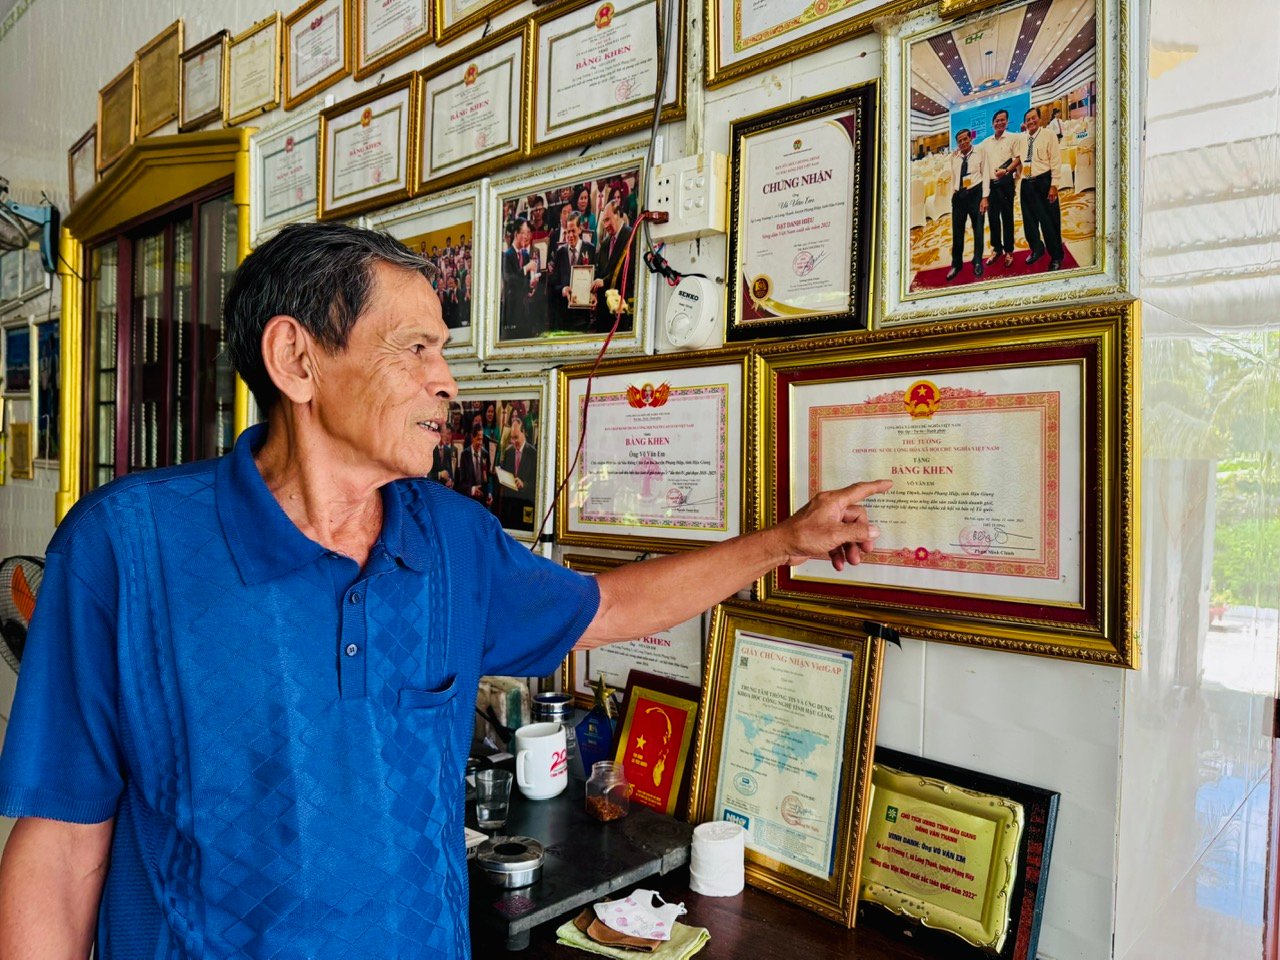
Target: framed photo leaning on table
(1011, 445)
(1009, 142)
(786, 734)
(662, 464)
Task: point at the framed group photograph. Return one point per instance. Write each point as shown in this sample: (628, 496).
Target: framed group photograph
(455, 17)
(802, 232)
(956, 859)
(744, 37)
(366, 144)
(786, 737)
(204, 83)
(443, 228)
(560, 242)
(661, 463)
(1011, 446)
(473, 109)
(284, 164)
(496, 449)
(17, 357)
(117, 108)
(81, 168)
(159, 79)
(317, 53)
(48, 390)
(1009, 138)
(253, 71)
(383, 31)
(596, 71)
(656, 741)
(674, 654)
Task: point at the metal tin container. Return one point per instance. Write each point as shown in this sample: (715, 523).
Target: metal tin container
(511, 861)
(555, 707)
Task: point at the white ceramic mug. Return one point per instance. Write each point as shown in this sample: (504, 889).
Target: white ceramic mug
(542, 760)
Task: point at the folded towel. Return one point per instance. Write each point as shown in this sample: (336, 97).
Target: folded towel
(684, 943)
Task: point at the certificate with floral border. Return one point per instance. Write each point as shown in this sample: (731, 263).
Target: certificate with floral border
(744, 36)
(1010, 520)
(661, 465)
(674, 654)
(456, 17)
(383, 31)
(473, 115)
(367, 146)
(595, 72)
(786, 737)
(317, 53)
(803, 196)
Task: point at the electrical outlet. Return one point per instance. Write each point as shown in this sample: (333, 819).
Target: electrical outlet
(692, 192)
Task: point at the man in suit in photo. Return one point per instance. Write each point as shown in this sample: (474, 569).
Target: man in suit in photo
(444, 462)
(1002, 161)
(1041, 175)
(475, 473)
(970, 185)
(615, 235)
(518, 271)
(520, 459)
(574, 252)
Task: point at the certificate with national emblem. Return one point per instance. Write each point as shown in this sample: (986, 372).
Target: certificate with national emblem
(204, 83)
(367, 144)
(386, 30)
(285, 174)
(316, 52)
(254, 71)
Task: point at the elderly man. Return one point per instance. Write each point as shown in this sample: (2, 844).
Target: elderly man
(246, 701)
(1002, 161)
(615, 234)
(1041, 177)
(970, 185)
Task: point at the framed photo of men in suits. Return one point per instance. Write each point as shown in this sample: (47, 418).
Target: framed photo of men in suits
(567, 268)
(1009, 138)
(497, 449)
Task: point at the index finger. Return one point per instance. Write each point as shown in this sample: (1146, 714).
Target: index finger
(857, 492)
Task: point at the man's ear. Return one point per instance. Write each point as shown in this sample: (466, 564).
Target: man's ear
(288, 352)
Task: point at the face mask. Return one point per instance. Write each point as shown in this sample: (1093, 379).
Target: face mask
(638, 917)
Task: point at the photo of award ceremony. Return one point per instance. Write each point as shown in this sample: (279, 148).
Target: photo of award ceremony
(1003, 147)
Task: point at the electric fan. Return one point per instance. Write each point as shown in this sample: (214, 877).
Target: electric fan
(19, 583)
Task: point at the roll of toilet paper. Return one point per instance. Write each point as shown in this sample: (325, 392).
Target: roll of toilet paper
(716, 859)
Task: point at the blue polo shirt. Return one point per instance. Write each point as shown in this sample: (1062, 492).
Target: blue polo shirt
(280, 735)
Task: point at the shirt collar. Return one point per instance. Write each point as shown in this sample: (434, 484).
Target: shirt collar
(265, 542)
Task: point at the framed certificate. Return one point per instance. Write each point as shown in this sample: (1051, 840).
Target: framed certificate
(445, 228)
(661, 464)
(473, 109)
(801, 238)
(383, 31)
(655, 740)
(317, 53)
(744, 36)
(596, 71)
(1045, 219)
(544, 223)
(204, 83)
(81, 172)
(498, 451)
(674, 654)
(253, 72)
(785, 747)
(1011, 446)
(285, 170)
(159, 79)
(456, 17)
(367, 144)
(117, 103)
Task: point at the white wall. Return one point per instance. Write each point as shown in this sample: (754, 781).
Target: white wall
(1103, 737)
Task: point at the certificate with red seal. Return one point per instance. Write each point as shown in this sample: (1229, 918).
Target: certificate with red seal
(657, 728)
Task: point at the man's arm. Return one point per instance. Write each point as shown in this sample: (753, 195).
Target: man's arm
(641, 598)
(50, 883)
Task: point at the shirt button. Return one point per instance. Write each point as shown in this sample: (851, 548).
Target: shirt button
(355, 598)
(352, 649)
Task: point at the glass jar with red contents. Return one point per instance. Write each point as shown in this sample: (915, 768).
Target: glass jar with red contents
(608, 793)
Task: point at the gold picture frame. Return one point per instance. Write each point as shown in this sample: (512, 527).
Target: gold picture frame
(117, 108)
(22, 464)
(313, 16)
(159, 79)
(81, 165)
(460, 75)
(598, 27)
(253, 70)
(205, 69)
(449, 25)
(392, 105)
(800, 30)
(662, 466)
(804, 687)
(1032, 552)
(399, 44)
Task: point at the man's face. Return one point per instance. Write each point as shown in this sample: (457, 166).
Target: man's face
(571, 233)
(517, 433)
(609, 220)
(1000, 123)
(383, 402)
(523, 236)
(964, 141)
(1032, 121)
(477, 439)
